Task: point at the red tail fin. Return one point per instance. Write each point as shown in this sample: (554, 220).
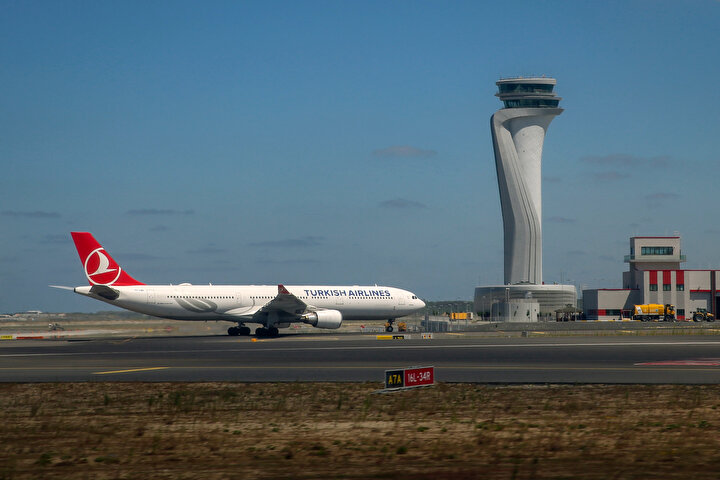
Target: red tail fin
(99, 266)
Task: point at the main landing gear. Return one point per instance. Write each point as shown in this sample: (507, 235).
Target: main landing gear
(259, 332)
(389, 325)
(266, 332)
(239, 330)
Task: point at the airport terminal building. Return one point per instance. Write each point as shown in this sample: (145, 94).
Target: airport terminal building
(655, 276)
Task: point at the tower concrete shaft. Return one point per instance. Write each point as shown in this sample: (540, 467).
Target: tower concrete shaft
(518, 133)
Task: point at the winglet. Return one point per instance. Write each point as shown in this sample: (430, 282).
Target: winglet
(282, 290)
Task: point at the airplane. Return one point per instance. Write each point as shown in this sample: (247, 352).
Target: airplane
(272, 306)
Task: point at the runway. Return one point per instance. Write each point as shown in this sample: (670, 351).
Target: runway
(457, 358)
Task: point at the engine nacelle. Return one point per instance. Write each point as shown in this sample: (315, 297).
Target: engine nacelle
(324, 318)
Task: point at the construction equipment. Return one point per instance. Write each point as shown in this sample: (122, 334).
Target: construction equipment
(654, 312)
(702, 315)
(401, 326)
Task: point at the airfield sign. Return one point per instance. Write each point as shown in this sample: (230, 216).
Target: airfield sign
(409, 377)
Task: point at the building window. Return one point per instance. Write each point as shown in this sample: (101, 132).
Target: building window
(680, 287)
(656, 251)
(526, 87)
(532, 103)
(653, 287)
(667, 287)
(681, 312)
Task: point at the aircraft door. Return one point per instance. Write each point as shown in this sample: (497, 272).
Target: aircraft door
(151, 296)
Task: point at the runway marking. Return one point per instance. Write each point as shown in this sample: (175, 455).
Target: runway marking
(706, 362)
(320, 339)
(442, 369)
(392, 345)
(131, 370)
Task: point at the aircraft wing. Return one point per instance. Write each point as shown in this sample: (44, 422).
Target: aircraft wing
(285, 302)
(244, 312)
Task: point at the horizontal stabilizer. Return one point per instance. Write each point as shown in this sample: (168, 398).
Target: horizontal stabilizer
(105, 292)
(72, 289)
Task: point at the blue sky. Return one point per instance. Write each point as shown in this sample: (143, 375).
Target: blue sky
(345, 142)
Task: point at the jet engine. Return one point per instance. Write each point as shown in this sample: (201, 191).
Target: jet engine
(324, 318)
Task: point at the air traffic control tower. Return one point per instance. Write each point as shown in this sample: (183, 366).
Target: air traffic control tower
(518, 132)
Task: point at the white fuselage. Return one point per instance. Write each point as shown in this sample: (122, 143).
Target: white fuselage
(237, 303)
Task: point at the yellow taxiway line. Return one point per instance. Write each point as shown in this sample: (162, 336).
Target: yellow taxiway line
(131, 370)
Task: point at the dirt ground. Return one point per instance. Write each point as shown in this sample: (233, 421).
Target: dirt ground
(346, 430)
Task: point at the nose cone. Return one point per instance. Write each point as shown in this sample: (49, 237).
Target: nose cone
(416, 303)
(413, 302)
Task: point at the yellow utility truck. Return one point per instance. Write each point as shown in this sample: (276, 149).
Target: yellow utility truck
(654, 312)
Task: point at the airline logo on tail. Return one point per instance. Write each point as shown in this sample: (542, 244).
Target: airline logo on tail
(99, 266)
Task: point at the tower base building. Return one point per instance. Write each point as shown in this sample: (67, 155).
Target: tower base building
(491, 300)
